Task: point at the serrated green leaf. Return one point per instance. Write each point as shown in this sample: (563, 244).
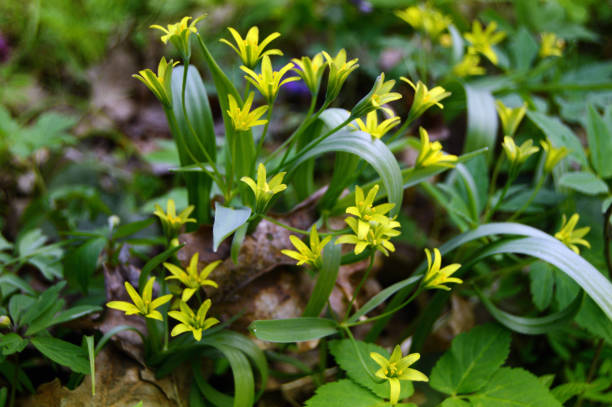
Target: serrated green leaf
(227, 220)
(344, 354)
(592, 318)
(375, 152)
(514, 387)
(566, 391)
(541, 277)
(80, 264)
(454, 402)
(583, 181)
(559, 135)
(63, 353)
(293, 329)
(12, 343)
(4, 244)
(48, 300)
(344, 393)
(326, 280)
(473, 357)
(30, 242)
(599, 136)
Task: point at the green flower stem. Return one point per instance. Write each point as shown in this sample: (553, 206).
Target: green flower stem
(534, 193)
(359, 356)
(247, 88)
(356, 292)
(401, 130)
(188, 121)
(391, 312)
(175, 129)
(495, 174)
(317, 141)
(153, 334)
(511, 177)
(288, 144)
(265, 130)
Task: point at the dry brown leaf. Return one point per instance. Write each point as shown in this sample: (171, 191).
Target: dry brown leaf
(120, 382)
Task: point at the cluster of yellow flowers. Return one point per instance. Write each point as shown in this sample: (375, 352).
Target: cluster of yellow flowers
(370, 225)
(191, 279)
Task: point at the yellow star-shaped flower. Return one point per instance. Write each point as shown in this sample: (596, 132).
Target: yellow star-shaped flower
(194, 322)
(249, 49)
(191, 278)
(436, 277)
(397, 368)
(310, 255)
(571, 236)
(143, 305)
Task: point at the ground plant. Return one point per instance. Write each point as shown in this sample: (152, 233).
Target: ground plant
(412, 210)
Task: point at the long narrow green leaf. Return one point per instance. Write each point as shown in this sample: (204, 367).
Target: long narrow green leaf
(382, 297)
(481, 120)
(198, 144)
(533, 326)
(374, 151)
(244, 143)
(210, 393)
(326, 280)
(410, 176)
(244, 385)
(249, 348)
(556, 253)
(293, 329)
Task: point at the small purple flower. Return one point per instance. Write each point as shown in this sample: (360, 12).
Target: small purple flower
(363, 5)
(297, 88)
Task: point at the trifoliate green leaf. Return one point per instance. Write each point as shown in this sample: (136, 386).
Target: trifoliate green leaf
(344, 353)
(344, 393)
(472, 359)
(514, 387)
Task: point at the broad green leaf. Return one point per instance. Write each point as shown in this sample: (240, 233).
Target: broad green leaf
(30, 242)
(293, 329)
(559, 135)
(80, 264)
(514, 387)
(375, 152)
(382, 296)
(13, 280)
(454, 402)
(535, 325)
(12, 343)
(18, 305)
(583, 181)
(472, 359)
(599, 136)
(5, 244)
(344, 393)
(326, 280)
(344, 354)
(45, 302)
(345, 164)
(592, 318)
(227, 220)
(195, 142)
(566, 391)
(131, 228)
(523, 48)
(243, 141)
(541, 279)
(63, 353)
(481, 120)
